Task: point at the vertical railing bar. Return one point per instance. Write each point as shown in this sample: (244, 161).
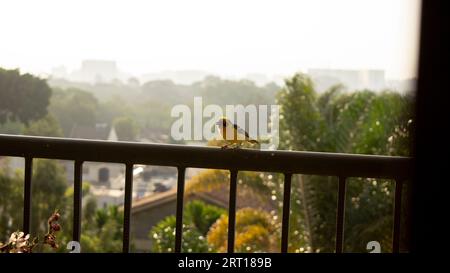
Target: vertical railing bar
(77, 197)
(340, 214)
(127, 207)
(179, 212)
(286, 212)
(397, 217)
(232, 210)
(27, 195)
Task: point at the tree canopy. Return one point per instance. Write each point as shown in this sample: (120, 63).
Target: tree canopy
(126, 128)
(23, 97)
(73, 107)
(361, 122)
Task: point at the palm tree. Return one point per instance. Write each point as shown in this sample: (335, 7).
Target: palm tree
(358, 122)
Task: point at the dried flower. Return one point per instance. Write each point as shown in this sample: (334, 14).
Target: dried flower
(55, 227)
(20, 243)
(55, 217)
(50, 240)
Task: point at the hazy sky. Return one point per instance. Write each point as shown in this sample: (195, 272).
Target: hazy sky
(225, 37)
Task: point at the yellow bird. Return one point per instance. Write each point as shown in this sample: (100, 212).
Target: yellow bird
(237, 136)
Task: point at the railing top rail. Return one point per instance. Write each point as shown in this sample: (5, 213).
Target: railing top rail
(333, 164)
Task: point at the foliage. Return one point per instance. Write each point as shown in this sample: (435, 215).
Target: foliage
(113, 108)
(198, 218)
(49, 186)
(163, 237)
(201, 215)
(47, 126)
(205, 229)
(254, 232)
(11, 190)
(207, 180)
(149, 105)
(12, 127)
(359, 122)
(215, 90)
(210, 180)
(73, 107)
(23, 97)
(105, 233)
(126, 128)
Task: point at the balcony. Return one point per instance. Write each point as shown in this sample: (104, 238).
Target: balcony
(287, 163)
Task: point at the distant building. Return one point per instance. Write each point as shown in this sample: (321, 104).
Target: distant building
(258, 78)
(106, 197)
(108, 181)
(60, 72)
(94, 172)
(178, 77)
(407, 85)
(97, 71)
(351, 79)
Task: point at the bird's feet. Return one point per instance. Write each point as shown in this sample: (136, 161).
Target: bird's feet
(230, 147)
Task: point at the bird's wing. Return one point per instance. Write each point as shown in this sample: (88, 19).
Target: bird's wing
(240, 130)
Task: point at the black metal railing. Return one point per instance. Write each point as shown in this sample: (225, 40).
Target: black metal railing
(288, 163)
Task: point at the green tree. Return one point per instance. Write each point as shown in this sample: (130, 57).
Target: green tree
(247, 235)
(11, 201)
(215, 90)
(102, 228)
(198, 218)
(12, 127)
(105, 234)
(163, 237)
(201, 215)
(73, 107)
(47, 126)
(126, 128)
(358, 122)
(48, 194)
(149, 105)
(254, 232)
(210, 180)
(23, 97)
(113, 108)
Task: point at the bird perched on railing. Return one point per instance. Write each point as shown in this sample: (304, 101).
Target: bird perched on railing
(233, 135)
